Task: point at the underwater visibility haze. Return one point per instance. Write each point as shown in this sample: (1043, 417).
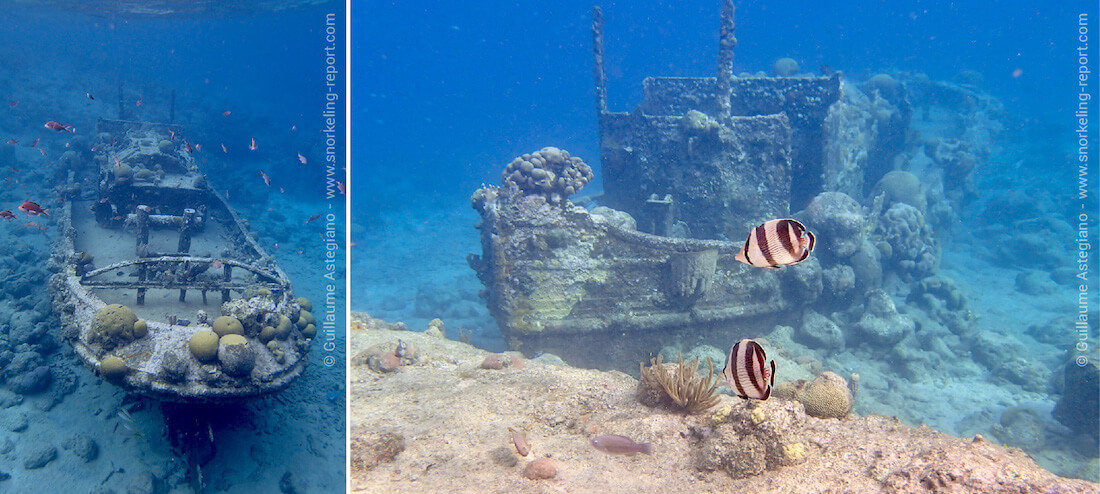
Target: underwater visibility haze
(720, 245)
(169, 320)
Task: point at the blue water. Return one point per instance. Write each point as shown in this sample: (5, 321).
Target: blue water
(264, 63)
(446, 95)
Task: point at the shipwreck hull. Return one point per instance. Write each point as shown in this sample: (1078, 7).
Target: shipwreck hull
(145, 237)
(597, 292)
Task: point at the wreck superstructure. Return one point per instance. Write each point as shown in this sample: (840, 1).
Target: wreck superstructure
(686, 175)
(162, 289)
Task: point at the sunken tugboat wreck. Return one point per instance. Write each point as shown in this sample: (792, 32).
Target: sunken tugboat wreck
(686, 176)
(161, 289)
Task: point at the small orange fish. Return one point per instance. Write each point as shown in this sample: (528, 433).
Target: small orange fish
(227, 194)
(226, 113)
(172, 134)
(13, 104)
(293, 127)
(300, 252)
(13, 142)
(138, 103)
(217, 264)
(343, 188)
(7, 215)
(32, 208)
(35, 143)
(187, 146)
(281, 191)
(95, 148)
(301, 158)
(224, 150)
(267, 179)
(312, 218)
(198, 147)
(90, 96)
(58, 127)
(252, 147)
(117, 162)
(43, 151)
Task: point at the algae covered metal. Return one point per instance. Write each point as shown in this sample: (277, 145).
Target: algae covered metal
(162, 290)
(686, 175)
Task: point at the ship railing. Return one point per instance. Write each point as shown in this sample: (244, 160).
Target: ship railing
(181, 265)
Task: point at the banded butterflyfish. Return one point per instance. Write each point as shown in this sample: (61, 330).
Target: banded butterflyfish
(777, 243)
(746, 373)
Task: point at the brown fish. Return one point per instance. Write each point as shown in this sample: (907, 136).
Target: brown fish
(519, 439)
(619, 445)
(54, 126)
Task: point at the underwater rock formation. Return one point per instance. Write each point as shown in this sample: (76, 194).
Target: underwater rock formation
(839, 221)
(1079, 406)
(906, 240)
(817, 331)
(881, 324)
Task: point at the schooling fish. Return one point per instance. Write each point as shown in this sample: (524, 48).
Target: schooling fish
(746, 373)
(32, 208)
(58, 127)
(267, 179)
(619, 445)
(7, 215)
(252, 147)
(301, 158)
(314, 217)
(777, 243)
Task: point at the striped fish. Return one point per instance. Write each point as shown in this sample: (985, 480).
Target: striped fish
(777, 243)
(746, 373)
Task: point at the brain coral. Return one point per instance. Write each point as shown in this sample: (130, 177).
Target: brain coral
(114, 325)
(228, 325)
(901, 186)
(785, 67)
(549, 172)
(204, 345)
(827, 396)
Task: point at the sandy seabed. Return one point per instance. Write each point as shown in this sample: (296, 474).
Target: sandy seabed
(439, 423)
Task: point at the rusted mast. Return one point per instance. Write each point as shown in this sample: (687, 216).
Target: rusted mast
(597, 54)
(726, 42)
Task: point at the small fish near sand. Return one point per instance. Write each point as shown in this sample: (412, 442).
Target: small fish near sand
(519, 439)
(777, 243)
(746, 373)
(613, 444)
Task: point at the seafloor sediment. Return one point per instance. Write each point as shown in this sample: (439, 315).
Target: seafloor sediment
(437, 421)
